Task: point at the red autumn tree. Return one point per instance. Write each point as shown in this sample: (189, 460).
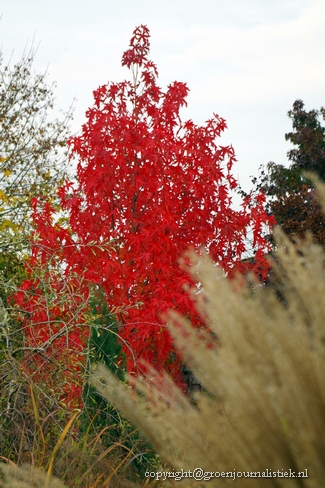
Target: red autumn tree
(149, 185)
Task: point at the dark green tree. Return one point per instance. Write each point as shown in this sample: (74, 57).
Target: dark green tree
(308, 136)
(99, 417)
(291, 196)
(105, 348)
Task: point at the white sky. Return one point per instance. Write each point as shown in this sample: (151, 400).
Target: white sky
(246, 60)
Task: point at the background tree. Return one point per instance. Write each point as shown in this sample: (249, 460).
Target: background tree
(32, 145)
(149, 185)
(33, 160)
(291, 195)
(33, 163)
(308, 136)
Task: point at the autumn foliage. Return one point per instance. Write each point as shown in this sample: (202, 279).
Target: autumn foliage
(149, 186)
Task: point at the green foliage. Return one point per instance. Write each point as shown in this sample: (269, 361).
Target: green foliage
(99, 416)
(12, 393)
(308, 136)
(104, 348)
(32, 157)
(12, 273)
(276, 180)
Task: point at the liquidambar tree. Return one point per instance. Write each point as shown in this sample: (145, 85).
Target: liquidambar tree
(149, 186)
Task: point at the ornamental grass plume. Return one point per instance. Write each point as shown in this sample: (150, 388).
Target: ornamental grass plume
(27, 476)
(261, 363)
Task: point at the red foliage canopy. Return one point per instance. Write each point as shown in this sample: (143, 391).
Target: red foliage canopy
(148, 186)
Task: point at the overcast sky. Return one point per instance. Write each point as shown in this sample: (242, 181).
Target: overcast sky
(246, 60)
